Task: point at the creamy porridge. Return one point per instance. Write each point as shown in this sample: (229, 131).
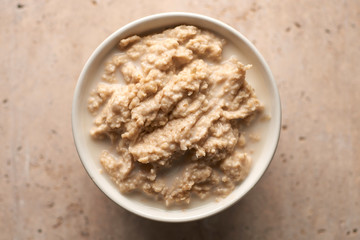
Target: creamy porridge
(182, 106)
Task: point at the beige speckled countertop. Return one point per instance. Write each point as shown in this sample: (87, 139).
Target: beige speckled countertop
(310, 191)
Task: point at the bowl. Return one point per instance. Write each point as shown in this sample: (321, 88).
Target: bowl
(259, 76)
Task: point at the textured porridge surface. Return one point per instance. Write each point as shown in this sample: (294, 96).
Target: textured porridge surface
(181, 102)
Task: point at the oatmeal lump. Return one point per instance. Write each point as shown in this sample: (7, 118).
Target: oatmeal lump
(177, 124)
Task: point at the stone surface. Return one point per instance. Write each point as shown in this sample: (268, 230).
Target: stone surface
(311, 189)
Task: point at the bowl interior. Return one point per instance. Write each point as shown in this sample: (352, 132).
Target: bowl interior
(259, 77)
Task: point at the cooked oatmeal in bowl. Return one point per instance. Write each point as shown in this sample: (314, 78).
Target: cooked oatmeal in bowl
(170, 114)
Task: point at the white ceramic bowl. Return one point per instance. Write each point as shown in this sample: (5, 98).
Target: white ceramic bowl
(259, 76)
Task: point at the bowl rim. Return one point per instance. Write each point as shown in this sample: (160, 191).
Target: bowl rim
(109, 39)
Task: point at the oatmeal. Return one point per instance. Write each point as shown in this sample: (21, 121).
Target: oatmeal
(181, 105)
